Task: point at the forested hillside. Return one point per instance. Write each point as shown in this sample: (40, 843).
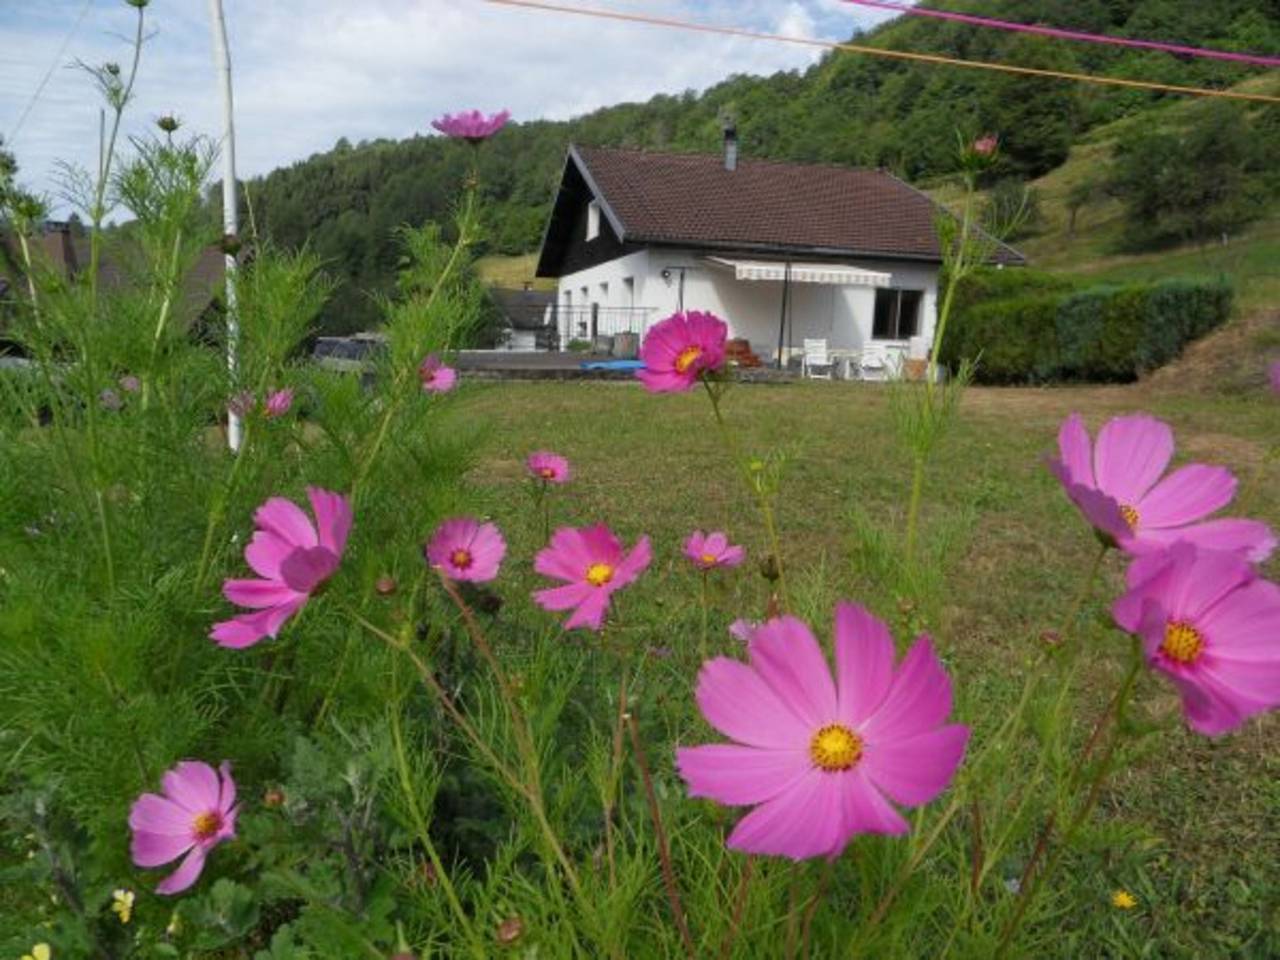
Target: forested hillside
(847, 108)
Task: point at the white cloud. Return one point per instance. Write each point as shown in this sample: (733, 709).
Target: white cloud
(307, 72)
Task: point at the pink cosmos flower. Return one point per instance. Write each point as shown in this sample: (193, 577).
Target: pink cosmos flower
(590, 560)
(463, 548)
(471, 125)
(711, 550)
(196, 813)
(293, 557)
(678, 349)
(279, 402)
(1211, 624)
(435, 376)
(818, 758)
(547, 466)
(986, 146)
(1116, 483)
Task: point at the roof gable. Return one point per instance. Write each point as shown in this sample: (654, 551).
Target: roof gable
(763, 205)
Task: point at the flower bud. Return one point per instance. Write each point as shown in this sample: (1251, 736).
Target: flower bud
(385, 586)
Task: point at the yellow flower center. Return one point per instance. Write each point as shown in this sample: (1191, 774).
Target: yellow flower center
(708, 559)
(460, 558)
(1182, 642)
(835, 747)
(206, 825)
(1130, 516)
(546, 473)
(598, 574)
(687, 357)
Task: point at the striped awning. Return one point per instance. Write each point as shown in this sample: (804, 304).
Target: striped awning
(831, 273)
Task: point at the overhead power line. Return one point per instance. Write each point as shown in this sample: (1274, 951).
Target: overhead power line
(907, 55)
(44, 81)
(1062, 33)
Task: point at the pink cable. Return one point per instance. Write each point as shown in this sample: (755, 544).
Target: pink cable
(1256, 59)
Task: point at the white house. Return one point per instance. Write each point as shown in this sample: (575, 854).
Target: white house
(781, 251)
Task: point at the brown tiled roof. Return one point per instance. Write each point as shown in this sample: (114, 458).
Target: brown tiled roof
(787, 207)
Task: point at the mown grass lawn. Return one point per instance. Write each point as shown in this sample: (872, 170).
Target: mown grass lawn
(1197, 819)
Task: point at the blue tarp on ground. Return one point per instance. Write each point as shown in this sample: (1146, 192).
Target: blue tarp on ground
(613, 365)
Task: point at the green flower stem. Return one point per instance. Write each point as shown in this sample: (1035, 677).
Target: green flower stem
(1012, 724)
(104, 164)
(397, 393)
(921, 453)
(664, 849)
(761, 498)
(1033, 879)
(706, 604)
(424, 834)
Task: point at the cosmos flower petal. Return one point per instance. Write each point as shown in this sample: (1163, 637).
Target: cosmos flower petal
(1248, 628)
(787, 656)
(193, 785)
(590, 613)
(634, 563)
(265, 553)
(865, 809)
(227, 793)
(157, 814)
(156, 849)
(803, 821)
(736, 775)
(918, 700)
(188, 872)
(864, 662)
(915, 770)
(1076, 452)
(1130, 455)
(563, 598)
(735, 700)
(1188, 494)
(257, 594)
(333, 518)
(286, 520)
(1252, 538)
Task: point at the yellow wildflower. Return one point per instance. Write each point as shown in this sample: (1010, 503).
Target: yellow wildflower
(40, 951)
(1123, 900)
(122, 904)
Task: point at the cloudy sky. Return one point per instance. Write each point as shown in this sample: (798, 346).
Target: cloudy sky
(307, 72)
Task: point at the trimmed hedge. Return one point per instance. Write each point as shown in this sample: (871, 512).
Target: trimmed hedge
(1102, 334)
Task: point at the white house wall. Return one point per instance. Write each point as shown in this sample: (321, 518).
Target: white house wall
(842, 315)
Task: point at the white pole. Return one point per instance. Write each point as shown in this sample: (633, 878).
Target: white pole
(230, 228)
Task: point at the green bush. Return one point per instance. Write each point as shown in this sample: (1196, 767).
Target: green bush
(1013, 340)
(1102, 334)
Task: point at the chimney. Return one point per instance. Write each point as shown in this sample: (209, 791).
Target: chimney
(730, 147)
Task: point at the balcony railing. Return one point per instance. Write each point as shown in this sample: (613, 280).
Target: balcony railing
(592, 321)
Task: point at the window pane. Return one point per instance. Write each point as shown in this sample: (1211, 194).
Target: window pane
(909, 316)
(882, 326)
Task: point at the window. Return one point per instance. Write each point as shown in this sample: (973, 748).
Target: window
(593, 220)
(629, 291)
(897, 314)
(604, 292)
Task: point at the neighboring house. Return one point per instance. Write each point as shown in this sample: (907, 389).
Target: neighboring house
(846, 255)
(527, 316)
(63, 249)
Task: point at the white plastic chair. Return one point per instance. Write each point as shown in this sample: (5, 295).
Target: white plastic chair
(874, 362)
(816, 362)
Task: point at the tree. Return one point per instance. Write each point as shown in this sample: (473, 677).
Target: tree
(1193, 184)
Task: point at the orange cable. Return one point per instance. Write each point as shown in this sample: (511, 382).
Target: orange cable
(880, 52)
